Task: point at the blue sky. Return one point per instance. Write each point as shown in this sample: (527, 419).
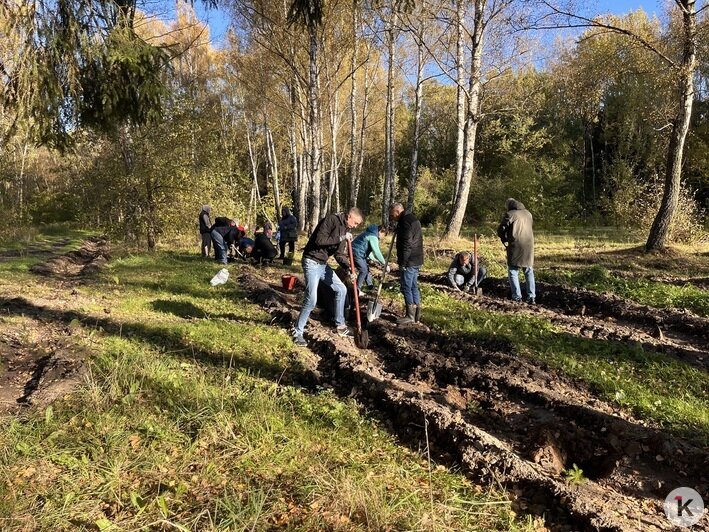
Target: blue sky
(218, 19)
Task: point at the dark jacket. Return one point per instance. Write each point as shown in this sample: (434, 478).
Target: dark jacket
(288, 226)
(326, 240)
(263, 247)
(409, 241)
(516, 233)
(230, 233)
(205, 223)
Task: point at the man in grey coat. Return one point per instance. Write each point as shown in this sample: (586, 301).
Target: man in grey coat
(517, 236)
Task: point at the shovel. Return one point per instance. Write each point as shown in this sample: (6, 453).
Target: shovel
(362, 335)
(374, 309)
(476, 290)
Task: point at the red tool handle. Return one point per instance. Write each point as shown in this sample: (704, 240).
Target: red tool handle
(354, 285)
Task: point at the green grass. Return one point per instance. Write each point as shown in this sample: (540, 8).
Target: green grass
(622, 374)
(189, 420)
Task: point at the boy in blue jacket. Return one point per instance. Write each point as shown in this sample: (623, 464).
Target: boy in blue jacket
(366, 245)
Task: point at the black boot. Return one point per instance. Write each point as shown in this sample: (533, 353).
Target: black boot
(410, 316)
(417, 314)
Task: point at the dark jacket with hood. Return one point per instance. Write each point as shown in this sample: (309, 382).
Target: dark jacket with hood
(516, 233)
(230, 232)
(263, 247)
(288, 226)
(409, 241)
(205, 223)
(327, 240)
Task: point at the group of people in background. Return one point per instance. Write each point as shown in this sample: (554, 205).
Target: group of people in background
(330, 237)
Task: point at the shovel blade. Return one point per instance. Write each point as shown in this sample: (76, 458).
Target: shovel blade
(374, 310)
(362, 339)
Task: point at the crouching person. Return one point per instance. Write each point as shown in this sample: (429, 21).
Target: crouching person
(327, 240)
(460, 272)
(366, 246)
(263, 249)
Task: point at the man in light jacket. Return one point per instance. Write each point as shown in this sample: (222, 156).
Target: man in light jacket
(515, 232)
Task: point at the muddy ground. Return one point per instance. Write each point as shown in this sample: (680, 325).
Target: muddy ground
(40, 360)
(512, 422)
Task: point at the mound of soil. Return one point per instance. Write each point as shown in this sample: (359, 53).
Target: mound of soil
(87, 260)
(508, 421)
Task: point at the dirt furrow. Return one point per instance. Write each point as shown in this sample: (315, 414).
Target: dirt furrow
(505, 420)
(688, 347)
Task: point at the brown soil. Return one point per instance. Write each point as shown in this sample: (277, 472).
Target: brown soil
(508, 421)
(39, 362)
(87, 260)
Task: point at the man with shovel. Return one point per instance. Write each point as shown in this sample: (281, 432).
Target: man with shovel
(409, 256)
(325, 242)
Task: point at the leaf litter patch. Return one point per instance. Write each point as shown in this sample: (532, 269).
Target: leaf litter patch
(560, 451)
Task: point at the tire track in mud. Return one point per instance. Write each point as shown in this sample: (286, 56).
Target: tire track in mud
(687, 342)
(506, 421)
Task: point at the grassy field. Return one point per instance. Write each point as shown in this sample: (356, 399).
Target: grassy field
(190, 419)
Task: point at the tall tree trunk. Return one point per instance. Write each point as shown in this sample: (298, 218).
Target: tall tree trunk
(389, 192)
(680, 127)
(471, 123)
(273, 168)
(418, 102)
(362, 131)
(460, 95)
(354, 185)
(315, 127)
(150, 214)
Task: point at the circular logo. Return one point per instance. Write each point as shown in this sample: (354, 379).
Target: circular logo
(684, 507)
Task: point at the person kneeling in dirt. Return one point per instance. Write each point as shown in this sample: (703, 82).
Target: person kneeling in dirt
(366, 246)
(460, 272)
(515, 232)
(263, 249)
(328, 239)
(409, 256)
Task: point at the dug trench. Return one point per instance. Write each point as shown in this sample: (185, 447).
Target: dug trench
(585, 313)
(40, 360)
(505, 420)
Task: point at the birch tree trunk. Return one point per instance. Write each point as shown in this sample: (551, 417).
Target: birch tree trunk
(315, 128)
(680, 127)
(273, 167)
(418, 102)
(471, 122)
(389, 192)
(460, 95)
(354, 184)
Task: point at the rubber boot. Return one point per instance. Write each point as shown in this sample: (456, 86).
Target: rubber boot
(417, 314)
(410, 316)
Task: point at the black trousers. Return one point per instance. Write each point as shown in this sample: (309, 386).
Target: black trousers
(282, 245)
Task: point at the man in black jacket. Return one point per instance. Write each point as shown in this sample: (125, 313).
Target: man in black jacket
(409, 256)
(327, 240)
(225, 233)
(205, 223)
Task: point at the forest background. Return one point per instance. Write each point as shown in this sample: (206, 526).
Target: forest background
(117, 118)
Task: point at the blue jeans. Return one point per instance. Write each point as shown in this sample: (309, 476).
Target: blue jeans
(410, 285)
(314, 272)
(513, 272)
(220, 251)
(364, 275)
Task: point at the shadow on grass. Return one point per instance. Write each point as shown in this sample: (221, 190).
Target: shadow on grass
(161, 337)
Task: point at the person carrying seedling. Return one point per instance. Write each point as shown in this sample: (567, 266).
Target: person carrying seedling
(409, 256)
(366, 246)
(460, 272)
(326, 241)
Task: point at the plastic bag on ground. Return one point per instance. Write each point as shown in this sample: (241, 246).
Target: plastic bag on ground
(221, 277)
